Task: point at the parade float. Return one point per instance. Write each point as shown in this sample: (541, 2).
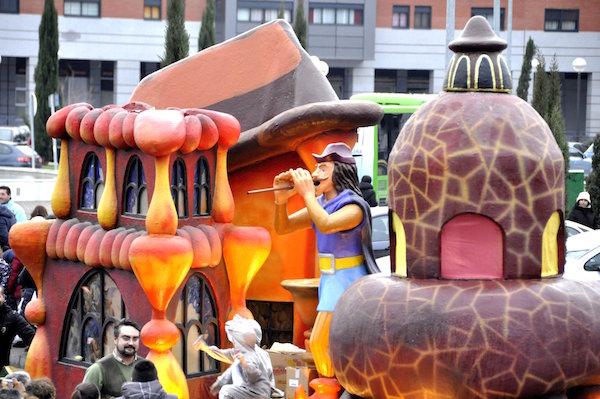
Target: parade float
(476, 306)
(152, 217)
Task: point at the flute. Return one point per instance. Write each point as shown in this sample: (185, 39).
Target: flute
(264, 190)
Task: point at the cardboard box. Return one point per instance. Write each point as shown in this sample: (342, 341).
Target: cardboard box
(281, 361)
(296, 376)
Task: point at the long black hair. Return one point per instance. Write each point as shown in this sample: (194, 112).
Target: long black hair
(345, 176)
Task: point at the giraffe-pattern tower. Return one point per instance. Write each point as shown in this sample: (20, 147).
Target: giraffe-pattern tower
(475, 307)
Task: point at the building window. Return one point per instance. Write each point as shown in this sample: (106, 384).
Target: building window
(92, 183)
(82, 8)
(422, 17)
(400, 17)
(9, 6)
(146, 68)
(95, 307)
(152, 9)
(561, 20)
(179, 187)
(488, 13)
(20, 86)
(276, 320)
(262, 11)
(107, 76)
(136, 195)
(196, 315)
(202, 202)
(335, 14)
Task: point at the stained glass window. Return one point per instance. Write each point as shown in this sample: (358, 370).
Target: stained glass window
(136, 195)
(92, 182)
(179, 187)
(202, 202)
(95, 307)
(196, 315)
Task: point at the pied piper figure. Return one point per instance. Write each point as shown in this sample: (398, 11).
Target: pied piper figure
(341, 219)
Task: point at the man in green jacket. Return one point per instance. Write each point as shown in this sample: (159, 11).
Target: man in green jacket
(110, 372)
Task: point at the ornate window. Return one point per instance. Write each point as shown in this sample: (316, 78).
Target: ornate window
(179, 187)
(95, 307)
(136, 195)
(202, 202)
(196, 315)
(92, 183)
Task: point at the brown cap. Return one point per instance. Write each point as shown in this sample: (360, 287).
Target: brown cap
(336, 152)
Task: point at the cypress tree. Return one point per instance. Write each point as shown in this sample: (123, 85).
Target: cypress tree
(523, 86)
(593, 180)
(281, 12)
(206, 38)
(540, 88)
(556, 120)
(300, 24)
(46, 76)
(177, 41)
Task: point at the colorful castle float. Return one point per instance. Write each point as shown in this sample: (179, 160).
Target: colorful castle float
(153, 221)
(476, 307)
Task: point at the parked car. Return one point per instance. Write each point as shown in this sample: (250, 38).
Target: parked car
(13, 154)
(16, 134)
(590, 151)
(381, 233)
(584, 267)
(579, 161)
(581, 243)
(575, 228)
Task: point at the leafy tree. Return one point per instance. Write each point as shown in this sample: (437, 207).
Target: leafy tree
(177, 41)
(593, 180)
(540, 88)
(281, 12)
(300, 24)
(206, 37)
(523, 87)
(46, 76)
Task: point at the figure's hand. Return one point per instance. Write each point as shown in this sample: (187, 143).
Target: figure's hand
(303, 183)
(200, 343)
(215, 388)
(283, 180)
(242, 359)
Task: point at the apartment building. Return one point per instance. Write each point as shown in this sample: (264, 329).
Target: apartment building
(108, 46)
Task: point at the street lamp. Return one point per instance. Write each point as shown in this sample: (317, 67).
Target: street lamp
(578, 65)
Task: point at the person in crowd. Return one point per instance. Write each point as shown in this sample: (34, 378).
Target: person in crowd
(11, 324)
(10, 393)
(86, 390)
(582, 211)
(341, 218)
(110, 372)
(366, 188)
(41, 388)
(7, 220)
(39, 212)
(20, 375)
(16, 209)
(28, 288)
(144, 383)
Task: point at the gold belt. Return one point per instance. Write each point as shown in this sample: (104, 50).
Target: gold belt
(329, 263)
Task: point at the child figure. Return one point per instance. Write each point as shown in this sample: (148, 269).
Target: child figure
(250, 375)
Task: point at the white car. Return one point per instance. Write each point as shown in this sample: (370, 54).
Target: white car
(585, 267)
(581, 243)
(574, 228)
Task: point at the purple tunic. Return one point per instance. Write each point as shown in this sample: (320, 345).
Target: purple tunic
(342, 244)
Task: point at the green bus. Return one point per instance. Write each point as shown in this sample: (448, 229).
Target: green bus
(375, 142)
